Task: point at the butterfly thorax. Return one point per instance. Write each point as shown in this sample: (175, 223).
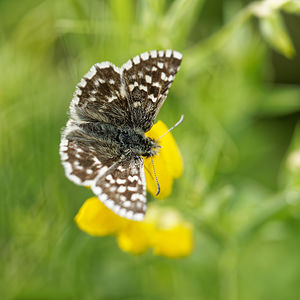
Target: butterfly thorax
(129, 141)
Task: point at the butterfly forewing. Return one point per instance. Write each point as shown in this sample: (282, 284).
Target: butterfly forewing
(100, 96)
(124, 189)
(148, 78)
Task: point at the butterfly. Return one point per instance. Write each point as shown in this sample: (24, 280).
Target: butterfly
(104, 140)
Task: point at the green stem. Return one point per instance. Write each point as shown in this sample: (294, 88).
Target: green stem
(228, 272)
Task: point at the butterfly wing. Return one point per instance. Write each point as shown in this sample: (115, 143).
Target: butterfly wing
(81, 158)
(101, 96)
(90, 162)
(148, 78)
(124, 189)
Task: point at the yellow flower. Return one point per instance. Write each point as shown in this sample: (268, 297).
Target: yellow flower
(135, 237)
(168, 162)
(96, 219)
(173, 236)
(163, 230)
(174, 242)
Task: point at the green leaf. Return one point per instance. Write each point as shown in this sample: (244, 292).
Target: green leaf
(292, 6)
(290, 175)
(280, 101)
(273, 30)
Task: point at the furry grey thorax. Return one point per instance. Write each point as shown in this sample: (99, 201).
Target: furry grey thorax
(131, 142)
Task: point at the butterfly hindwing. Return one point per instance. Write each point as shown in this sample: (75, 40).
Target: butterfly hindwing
(80, 161)
(84, 157)
(123, 190)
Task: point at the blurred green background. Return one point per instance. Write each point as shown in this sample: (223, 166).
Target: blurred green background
(239, 90)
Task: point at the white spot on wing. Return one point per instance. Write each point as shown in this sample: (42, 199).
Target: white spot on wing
(90, 74)
(82, 83)
(132, 86)
(136, 59)
(143, 87)
(153, 53)
(145, 56)
(171, 78)
(148, 79)
(152, 98)
(113, 188)
(103, 65)
(75, 99)
(121, 189)
(127, 65)
(168, 53)
(116, 69)
(110, 179)
(135, 197)
(138, 217)
(116, 208)
(97, 190)
(78, 91)
(127, 204)
(133, 178)
(110, 99)
(132, 188)
(121, 181)
(129, 214)
(103, 197)
(122, 212)
(109, 203)
(160, 65)
(177, 55)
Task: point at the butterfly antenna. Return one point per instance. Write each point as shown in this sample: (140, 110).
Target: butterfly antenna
(157, 183)
(178, 123)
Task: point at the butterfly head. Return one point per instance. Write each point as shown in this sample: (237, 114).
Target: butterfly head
(151, 147)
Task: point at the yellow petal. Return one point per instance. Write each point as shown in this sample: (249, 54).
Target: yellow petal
(173, 237)
(168, 162)
(134, 238)
(174, 242)
(163, 176)
(96, 219)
